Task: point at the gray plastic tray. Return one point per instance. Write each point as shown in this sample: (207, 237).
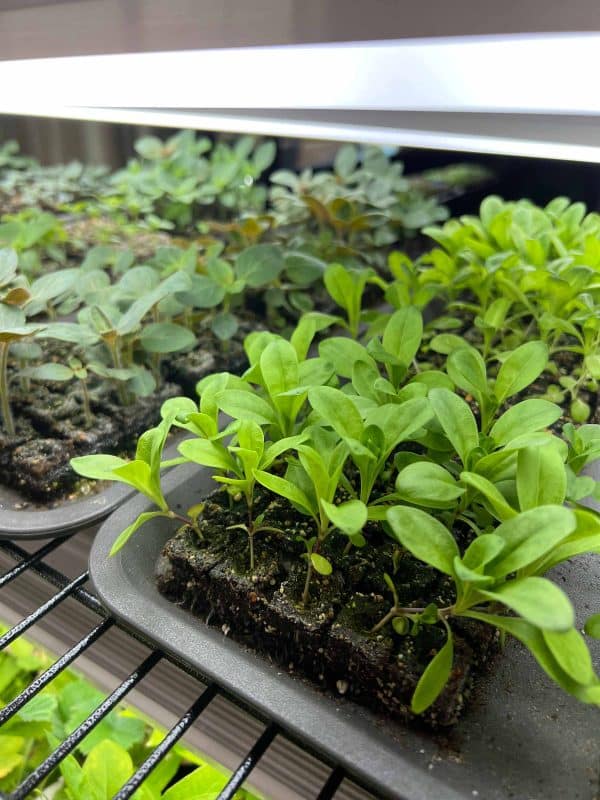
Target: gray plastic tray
(520, 737)
(67, 516)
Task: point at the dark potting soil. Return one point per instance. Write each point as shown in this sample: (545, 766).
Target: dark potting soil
(209, 356)
(329, 640)
(51, 430)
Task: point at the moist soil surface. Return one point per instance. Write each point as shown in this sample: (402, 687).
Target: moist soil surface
(209, 356)
(329, 640)
(50, 430)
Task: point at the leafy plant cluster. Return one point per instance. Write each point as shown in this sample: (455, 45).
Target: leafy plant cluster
(175, 183)
(355, 211)
(106, 758)
(119, 332)
(369, 443)
(118, 320)
(213, 192)
(518, 272)
(38, 237)
(54, 188)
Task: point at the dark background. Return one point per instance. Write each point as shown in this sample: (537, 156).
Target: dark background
(36, 28)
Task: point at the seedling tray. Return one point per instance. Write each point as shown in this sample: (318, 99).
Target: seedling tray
(46, 522)
(519, 737)
(63, 515)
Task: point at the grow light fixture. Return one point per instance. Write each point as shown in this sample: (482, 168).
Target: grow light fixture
(514, 94)
(518, 73)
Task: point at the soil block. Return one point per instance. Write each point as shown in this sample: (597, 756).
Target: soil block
(329, 640)
(51, 431)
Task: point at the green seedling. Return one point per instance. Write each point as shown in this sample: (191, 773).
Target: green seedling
(518, 369)
(406, 289)
(34, 235)
(224, 285)
(371, 440)
(143, 473)
(501, 569)
(283, 380)
(175, 181)
(310, 485)
(118, 331)
(346, 288)
(237, 463)
(518, 272)
(14, 328)
(355, 211)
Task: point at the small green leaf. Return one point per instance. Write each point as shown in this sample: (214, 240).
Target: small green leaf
(166, 337)
(99, 467)
(571, 653)
(520, 369)
(541, 477)
(224, 325)
(447, 343)
(150, 147)
(482, 550)
(435, 677)
(349, 517)
(592, 363)
(340, 284)
(286, 489)
(467, 575)
(579, 410)
(432, 379)
(259, 264)
(322, 565)
(400, 625)
(531, 535)
(427, 484)
(592, 626)
(207, 454)
(337, 410)
(343, 353)
(264, 155)
(123, 537)
(345, 161)
(49, 372)
(537, 600)
(40, 708)
(424, 536)
(525, 417)
(466, 368)
(246, 405)
(139, 475)
(106, 769)
(457, 421)
(204, 783)
(494, 497)
(403, 333)
(279, 367)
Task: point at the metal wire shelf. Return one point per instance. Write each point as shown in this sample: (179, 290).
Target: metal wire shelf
(75, 589)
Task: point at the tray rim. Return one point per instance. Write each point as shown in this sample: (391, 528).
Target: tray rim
(72, 515)
(66, 518)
